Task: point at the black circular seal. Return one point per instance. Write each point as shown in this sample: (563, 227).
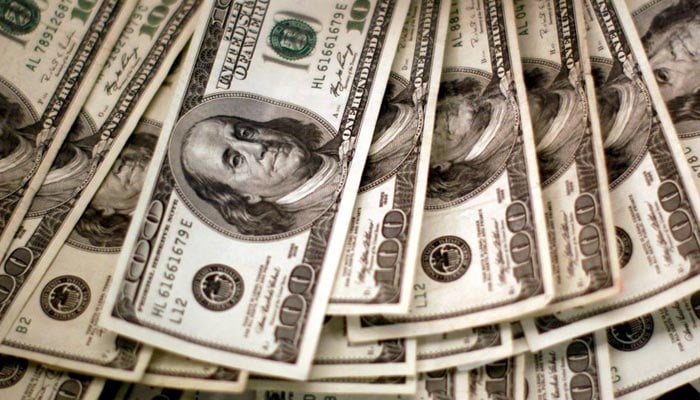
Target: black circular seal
(631, 335)
(217, 287)
(446, 258)
(624, 246)
(65, 297)
(12, 370)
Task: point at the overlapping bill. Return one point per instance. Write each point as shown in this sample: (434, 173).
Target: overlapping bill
(503, 379)
(464, 347)
(576, 369)
(484, 254)
(376, 269)
(172, 371)
(657, 352)
(574, 179)
(238, 232)
(378, 385)
(653, 195)
(52, 55)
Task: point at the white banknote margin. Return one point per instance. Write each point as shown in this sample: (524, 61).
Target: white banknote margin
(191, 383)
(368, 370)
(408, 387)
(301, 368)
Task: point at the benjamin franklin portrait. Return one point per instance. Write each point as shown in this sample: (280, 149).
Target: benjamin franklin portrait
(558, 119)
(394, 134)
(17, 145)
(105, 221)
(263, 177)
(672, 43)
(473, 134)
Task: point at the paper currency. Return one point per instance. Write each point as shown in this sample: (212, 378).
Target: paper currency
(576, 369)
(670, 33)
(483, 243)
(570, 151)
(336, 357)
(89, 256)
(239, 229)
(376, 269)
(652, 193)
(657, 352)
(379, 385)
(22, 379)
(172, 371)
(467, 346)
(504, 379)
(519, 341)
(115, 390)
(52, 55)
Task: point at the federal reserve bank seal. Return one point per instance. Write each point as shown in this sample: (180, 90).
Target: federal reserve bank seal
(446, 258)
(292, 39)
(65, 298)
(624, 246)
(217, 287)
(19, 17)
(631, 335)
(12, 370)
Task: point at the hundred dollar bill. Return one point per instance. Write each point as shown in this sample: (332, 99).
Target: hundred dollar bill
(336, 357)
(519, 341)
(561, 97)
(657, 352)
(670, 33)
(468, 346)
(576, 369)
(89, 257)
(239, 229)
(53, 51)
(172, 371)
(22, 379)
(117, 390)
(483, 244)
(70, 296)
(380, 385)
(503, 380)
(376, 269)
(653, 195)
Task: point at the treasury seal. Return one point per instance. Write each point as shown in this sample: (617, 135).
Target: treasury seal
(12, 370)
(624, 246)
(19, 17)
(65, 297)
(217, 287)
(292, 39)
(631, 335)
(446, 258)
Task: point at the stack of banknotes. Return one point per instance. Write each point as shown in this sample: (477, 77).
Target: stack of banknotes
(349, 199)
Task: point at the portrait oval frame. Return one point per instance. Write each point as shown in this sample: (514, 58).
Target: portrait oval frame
(251, 107)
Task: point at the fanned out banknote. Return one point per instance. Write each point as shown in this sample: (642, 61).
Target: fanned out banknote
(70, 295)
(23, 379)
(336, 357)
(117, 390)
(562, 102)
(657, 352)
(572, 370)
(464, 347)
(503, 379)
(653, 194)
(52, 55)
(376, 269)
(670, 34)
(377, 385)
(483, 249)
(519, 341)
(235, 242)
(176, 372)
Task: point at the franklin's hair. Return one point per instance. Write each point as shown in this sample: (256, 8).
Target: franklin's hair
(263, 217)
(109, 230)
(10, 119)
